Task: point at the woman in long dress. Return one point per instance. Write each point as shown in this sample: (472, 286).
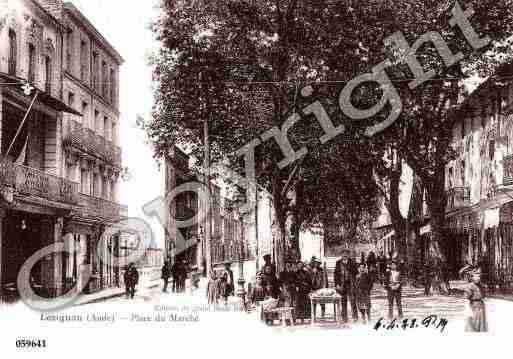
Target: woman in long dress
(476, 321)
(213, 289)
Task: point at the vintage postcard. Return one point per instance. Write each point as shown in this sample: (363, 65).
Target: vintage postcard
(306, 177)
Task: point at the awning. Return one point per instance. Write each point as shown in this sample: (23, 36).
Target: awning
(14, 84)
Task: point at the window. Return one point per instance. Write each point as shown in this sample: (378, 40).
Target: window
(95, 71)
(31, 63)
(491, 149)
(96, 185)
(105, 84)
(106, 128)
(48, 74)
(13, 52)
(84, 113)
(83, 181)
(463, 129)
(69, 50)
(71, 99)
(113, 134)
(96, 125)
(83, 60)
(112, 86)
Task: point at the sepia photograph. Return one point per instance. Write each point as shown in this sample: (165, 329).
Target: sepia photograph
(309, 177)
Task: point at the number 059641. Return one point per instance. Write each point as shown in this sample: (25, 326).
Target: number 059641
(31, 343)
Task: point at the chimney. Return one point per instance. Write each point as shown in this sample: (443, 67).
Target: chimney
(54, 7)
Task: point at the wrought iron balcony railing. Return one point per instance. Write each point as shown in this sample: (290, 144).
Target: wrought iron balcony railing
(458, 197)
(508, 170)
(31, 181)
(88, 141)
(95, 207)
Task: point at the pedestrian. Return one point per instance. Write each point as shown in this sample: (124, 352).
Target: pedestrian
(303, 287)
(319, 281)
(393, 285)
(131, 278)
(166, 273)
(344, 284)
(223, 288)
(258, 292)
(382, 265)
(268, 265)
(475, 293)
(269, 277)
(212, 289)
(174, 275)
(182, 275)
(427, 277)
(229, 274)
(363, 292)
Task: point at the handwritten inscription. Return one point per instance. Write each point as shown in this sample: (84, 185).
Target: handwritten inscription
(431, 321)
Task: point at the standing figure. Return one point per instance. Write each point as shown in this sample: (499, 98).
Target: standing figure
(131, 277)
(174, 275)
(303, 288)
(258, 292)
(428, 277)
(166, 273)
(212, 289)
(229, 274)
(475, 294)
(363, 291)
(223, 288)
(344, 283)
(393, 285)
(319, 281)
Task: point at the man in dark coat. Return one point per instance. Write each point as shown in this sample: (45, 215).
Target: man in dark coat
(166, 273)
(131, 278)
(393, 285)
(174, 275)
(345, 273)
(229, 274)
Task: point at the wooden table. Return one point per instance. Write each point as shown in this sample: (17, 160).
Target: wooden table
(335, 299)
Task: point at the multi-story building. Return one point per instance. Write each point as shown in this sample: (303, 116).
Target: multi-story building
(479, 180)
(234, 240)
(59, 142)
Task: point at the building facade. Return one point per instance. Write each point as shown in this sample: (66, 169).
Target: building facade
(236, 240)
(479, 181)
(61, 162)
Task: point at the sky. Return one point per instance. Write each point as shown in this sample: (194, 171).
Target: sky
(125, 24)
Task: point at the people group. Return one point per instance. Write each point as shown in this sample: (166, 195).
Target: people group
(177, 272)
(220, 286)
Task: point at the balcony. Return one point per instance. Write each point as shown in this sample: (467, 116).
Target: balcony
(95, 207)
(33, 182)
(88, 141)
(457, 197)
(508, 170)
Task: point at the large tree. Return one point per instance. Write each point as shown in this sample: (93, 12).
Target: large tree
(241, 66)
(423, 134)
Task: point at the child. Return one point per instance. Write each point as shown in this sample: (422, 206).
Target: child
(393, 285)
(258, 292)
(212, 289)
(476, 321)
(363, 290)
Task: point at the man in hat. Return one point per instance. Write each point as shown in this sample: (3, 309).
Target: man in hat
(166, 273)
(345, 274)
(131, 278)
(393, 285)
(268, 264)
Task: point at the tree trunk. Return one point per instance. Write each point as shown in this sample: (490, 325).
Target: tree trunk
(436, 203)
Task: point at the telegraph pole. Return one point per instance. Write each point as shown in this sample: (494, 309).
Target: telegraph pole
(206, 170)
